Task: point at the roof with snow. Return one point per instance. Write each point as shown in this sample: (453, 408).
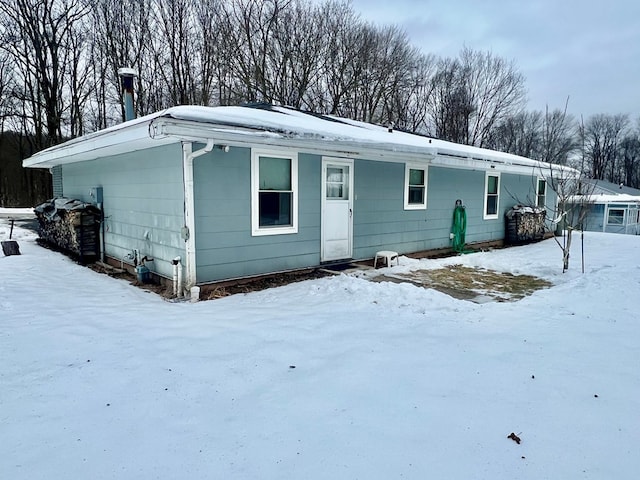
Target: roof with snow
(275, 126)
(604, 198)
(609, 188)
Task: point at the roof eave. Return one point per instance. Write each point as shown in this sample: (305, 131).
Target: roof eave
(107, 142)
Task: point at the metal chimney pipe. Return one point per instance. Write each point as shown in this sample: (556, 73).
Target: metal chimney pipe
(127, 76)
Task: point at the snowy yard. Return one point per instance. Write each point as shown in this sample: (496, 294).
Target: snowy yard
(336, 378)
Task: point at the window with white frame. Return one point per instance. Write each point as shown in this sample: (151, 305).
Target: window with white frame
(491, 195)
(615, 216)
(541, 193)
(415, 187)
(274, 193)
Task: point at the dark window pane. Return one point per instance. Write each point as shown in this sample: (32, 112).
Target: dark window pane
(492, 204)
(416, 177)
(416, 195)
(492, 185)
(275, 208)
(275, 173)
(542, 187)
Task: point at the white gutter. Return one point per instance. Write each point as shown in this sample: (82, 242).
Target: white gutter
(189, 231)
(235, 136)
(186, 130)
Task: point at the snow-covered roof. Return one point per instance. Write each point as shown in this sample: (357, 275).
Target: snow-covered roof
(271, 125)
(602, 198)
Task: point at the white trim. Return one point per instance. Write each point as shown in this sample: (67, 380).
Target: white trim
(347, 162)
(486, 216)
(624, 216)
(256, 230)
(407, 170)
(546, 187)
(188, 155)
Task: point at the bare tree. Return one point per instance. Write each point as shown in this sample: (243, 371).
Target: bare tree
(78, 73)
(495, 89)
(519, 134)
(573, 204)
(388, 61)
(341, 53)
(573, 193)
(601, 136)
(212, 59)
(6, 89)
(559, 137)
(474, 93)
(176, 50)
(630, 159)
(407, 104)
(450, 106)
(122, 38)
(37, 35)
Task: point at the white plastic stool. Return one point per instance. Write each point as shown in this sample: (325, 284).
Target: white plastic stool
(388, 256)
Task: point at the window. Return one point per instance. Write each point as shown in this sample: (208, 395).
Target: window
(616, 216)
(274, 193)
(541, 193)
(491, 195)
(415, 188)
(337, 183)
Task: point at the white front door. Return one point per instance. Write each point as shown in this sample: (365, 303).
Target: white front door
(337, 209)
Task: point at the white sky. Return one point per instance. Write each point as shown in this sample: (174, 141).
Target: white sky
(588, 51)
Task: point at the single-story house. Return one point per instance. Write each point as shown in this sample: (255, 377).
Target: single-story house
(609, 207)
(243, 191)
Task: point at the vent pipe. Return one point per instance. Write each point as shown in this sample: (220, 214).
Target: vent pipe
(127, 76)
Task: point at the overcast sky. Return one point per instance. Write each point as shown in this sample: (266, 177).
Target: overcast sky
(585, 50)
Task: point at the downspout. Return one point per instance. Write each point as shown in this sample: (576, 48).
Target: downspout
(189, 229)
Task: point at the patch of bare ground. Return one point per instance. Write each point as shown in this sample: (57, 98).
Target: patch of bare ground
(474, 284)
(207, 292)
(216, 290)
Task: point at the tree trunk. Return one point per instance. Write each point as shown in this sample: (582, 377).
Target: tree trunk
(566, 250)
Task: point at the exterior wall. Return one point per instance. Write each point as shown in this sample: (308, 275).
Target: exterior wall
(597, 219)
(226, 249)
(380, 221)
(143, 202)
(630, 219)
(225, 246)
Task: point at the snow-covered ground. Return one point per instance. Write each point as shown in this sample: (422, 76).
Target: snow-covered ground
(101, 380)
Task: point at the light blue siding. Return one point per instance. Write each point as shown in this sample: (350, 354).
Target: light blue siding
(143, 202)
(144, 205)
(225, 246)
(596, 219)
(381, 223)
